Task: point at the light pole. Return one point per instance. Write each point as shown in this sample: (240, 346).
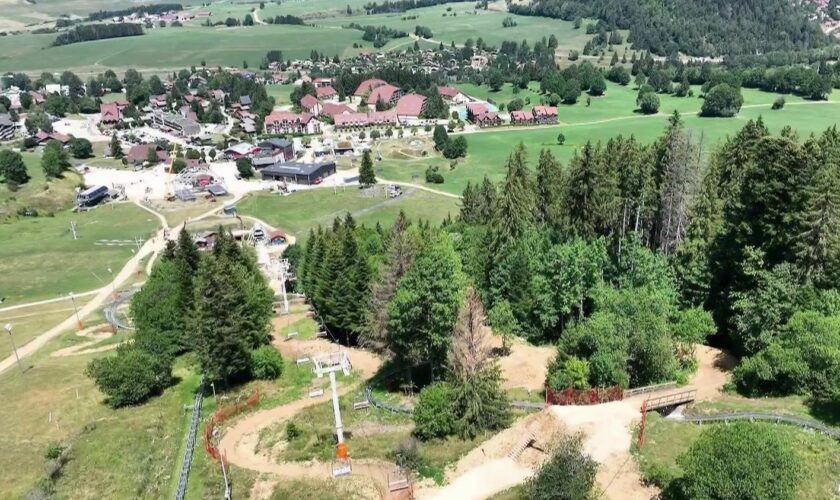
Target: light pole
(76, 312)
(14, 348)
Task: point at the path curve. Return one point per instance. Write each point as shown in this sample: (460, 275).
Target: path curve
(96, 334)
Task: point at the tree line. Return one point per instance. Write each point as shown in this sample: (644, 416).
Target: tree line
(216, 305)
(89, 32)
(160, 8)
(392, 6)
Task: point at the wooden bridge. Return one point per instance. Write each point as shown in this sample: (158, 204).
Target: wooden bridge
(667, 400)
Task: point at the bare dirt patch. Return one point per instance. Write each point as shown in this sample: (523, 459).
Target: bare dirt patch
(713, 372)
(526, 365)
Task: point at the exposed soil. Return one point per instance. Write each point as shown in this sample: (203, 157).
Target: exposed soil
(96, 334)
(526, 365)
(713, 372)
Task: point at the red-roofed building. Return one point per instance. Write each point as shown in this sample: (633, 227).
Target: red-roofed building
(322, 82)
(544, 114)
(489, 119)
(310, 104)
(386, 94)
(157, 101)
(283, 122)
(351, 121)
(332, 109)
(452, 94)
(409, 107)
(475, 109)
(326, 92)
(139, 154)
(109, 113)
(521, 118)
(367, 86)
(382, 118)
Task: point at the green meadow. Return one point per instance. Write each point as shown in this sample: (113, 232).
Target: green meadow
(606, 117)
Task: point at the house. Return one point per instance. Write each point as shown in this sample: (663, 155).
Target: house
(7, 127)
(367, 86)
(109, 113)
(346, 121)
(322, 83)
(299, 173)
(489, 119)
(382, 118)
(277, 238)
(310, 104)
(475, 109)
(245, 101)
(326, 92)
(386, 94)
(544, 114)
(243, 149)
(37, 97)
(478, 62)
(277, 145)
(332, 109)
(218, 95)
(139, 154)
(521, 118)
(56, 88)
(185, 126)
(410, 107)
(42, 137)
(451, 94)
(157, 101)
(284, 122)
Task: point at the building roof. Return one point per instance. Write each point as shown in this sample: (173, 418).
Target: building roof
(275, 143)
(382, 93)
(410, 105)
(350, 119)
(332, 109)
(276, 235)
(477, 108)
(449, 92)
(243, 148)
(382, 117)
(139, 153)
(295, 168)
(308, 102)
(490, 116)
(325, 92)
(216, 190)
(245, 100)
(544, 111)
(6, 120)
(368, 85)
(109, 112)
(520, 115)
(286, 117)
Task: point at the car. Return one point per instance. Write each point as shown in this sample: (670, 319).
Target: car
(317, 180)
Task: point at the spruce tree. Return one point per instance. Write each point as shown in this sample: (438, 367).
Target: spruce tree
(516, 205)
(549, 188)
(367, 177)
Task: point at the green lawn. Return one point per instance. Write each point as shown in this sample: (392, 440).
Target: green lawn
(503, 95)
(608, 117)
(666, 440)
(39, 194)
(39, 259)
(280, 93)
(307, 209)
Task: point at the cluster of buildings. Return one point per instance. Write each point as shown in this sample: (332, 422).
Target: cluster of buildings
(483, 114)
(167, 18)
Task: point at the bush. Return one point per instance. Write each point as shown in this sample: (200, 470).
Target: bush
(779, 103)
(741, 460)
(130, 377)
(292, 431)
(568, 371)
(567, 475)
(434, 415)
(722, 100)
(406, 454)
(433, 176)
(649, 103)
(266, 363)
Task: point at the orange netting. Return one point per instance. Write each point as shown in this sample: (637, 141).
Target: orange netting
(592, 396)
(220, 416)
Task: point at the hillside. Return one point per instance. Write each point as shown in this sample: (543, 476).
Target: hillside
(696, 27)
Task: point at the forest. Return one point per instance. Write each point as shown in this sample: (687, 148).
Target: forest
(91, 32)
(624, 259)
(697, 28)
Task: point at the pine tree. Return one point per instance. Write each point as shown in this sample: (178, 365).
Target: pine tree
(549, 189)
(367, 177)
(516, 207)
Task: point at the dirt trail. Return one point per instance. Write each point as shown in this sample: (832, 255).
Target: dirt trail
(96, 334)
(713, 371)
(526, 366)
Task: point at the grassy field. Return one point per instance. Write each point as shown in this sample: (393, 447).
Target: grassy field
(503, 95)
(39, 194)
(280, 93)
(307, 209)
(28, 322)
(666, 440)
(39, 259)
(462, 21)
(608, 117)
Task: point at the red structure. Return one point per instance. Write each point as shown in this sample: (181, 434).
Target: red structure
(593, 396)
(220, 416)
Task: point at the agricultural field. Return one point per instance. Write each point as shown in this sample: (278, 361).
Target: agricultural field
(39, 258)
(39, 194)
(304, 210)
(606, 117)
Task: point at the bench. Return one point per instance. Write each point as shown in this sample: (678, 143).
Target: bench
(361, 405)
(317, 392)
(291, 334)
(321, 334)
(302, 360)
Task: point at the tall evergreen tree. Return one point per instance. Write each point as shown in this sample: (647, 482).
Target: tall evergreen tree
(549, 189)
(516, 208)
(367, 177)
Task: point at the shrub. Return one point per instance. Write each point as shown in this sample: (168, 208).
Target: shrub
(722, 100)
(130, 377)
(433, 176)
(406, 454)
(266, 363)
(568, 371)
(779, 103)
(292, 431)
(567, 475)
(434, 415)
(741, 460)
(649, 103)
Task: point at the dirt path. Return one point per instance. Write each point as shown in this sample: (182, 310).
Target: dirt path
(48, 301)
(713, 371)
(96, 334)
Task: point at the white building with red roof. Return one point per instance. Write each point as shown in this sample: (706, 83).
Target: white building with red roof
(451, 94)
(310, 104)
(386, 94)
(109, 113)
(284, 122)
(325, 93)
(544, 114)
(410, 107)
(332, 109)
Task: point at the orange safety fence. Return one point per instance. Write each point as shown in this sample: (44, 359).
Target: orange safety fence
(593, 396)
(220, 416)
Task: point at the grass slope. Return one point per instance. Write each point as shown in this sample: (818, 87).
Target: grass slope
(39, 259)
(39, 194)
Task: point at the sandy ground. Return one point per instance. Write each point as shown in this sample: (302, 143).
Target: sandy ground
(713, 372)
(83, 129)
(526, 365)
(96, 334)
